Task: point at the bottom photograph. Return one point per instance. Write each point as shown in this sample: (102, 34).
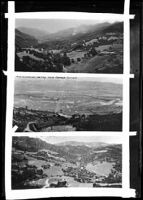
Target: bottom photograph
(66, 161)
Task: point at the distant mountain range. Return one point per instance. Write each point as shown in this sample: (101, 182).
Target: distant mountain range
(102, 88)
(69, 150)
(34, 32)
(26, 37)
(35, 144)
(75, 32)
(42, 35)
(87, 144)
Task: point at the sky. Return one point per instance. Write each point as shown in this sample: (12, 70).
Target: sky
(105, 139)
(55, 25)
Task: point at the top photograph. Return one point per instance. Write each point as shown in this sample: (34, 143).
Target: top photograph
(69, 46)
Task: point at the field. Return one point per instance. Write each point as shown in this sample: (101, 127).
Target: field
(72, 103)
(22, 54)
(76, 54)
(103, 168)
(101, 62)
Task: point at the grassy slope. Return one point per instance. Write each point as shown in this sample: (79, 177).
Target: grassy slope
(96, 64)
(24, 40)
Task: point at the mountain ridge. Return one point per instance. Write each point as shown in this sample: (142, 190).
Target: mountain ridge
(34, 32)
(75, 143)
(23, 40)
(82, 29)
(70, 35)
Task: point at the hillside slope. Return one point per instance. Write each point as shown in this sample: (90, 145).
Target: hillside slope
(36, 144)
(68, 37)
(34, 32)
(23, 40)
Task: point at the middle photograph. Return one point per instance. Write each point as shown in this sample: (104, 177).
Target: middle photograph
(59, 104)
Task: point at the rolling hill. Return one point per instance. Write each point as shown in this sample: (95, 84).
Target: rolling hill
(72, 35)
(36, 144)
(23, 40)
(34, 32)
(26, 37)
(74, 32)
(69, 150)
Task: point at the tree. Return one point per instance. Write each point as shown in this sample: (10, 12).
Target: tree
(72, 60)
(93, 51)
(66, 60)
(78, 59)
(20, 66)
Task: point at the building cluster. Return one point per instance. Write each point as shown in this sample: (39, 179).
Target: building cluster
(80, 174)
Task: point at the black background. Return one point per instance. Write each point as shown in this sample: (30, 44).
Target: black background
(102, 6)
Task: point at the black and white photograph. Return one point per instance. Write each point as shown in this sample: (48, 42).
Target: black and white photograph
(52, 162)
(66, 45)
(54, 104)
